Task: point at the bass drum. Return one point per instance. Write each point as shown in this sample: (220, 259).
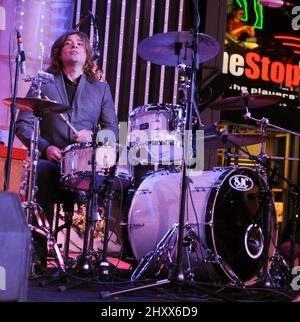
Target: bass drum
(225, 211)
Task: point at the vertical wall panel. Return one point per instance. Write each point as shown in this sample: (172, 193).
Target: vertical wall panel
(176, 73)
(155, 69)
(76, 16)
(140, 81)
(162, 69)
(106, 37)
(113, 44)
(86, 6)
(101, 9)
(120, 51)
(134, 52)
(126, 60)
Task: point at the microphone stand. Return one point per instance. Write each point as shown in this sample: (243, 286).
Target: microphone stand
(177, 274)
(107, 199)
(92, 213)
(12, 125)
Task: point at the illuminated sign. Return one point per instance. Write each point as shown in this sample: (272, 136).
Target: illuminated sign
(254, 67)
(296, 20)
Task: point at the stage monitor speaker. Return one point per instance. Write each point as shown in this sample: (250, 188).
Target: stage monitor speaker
(15, 240)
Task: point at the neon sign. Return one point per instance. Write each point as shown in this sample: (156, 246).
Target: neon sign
(254, 67)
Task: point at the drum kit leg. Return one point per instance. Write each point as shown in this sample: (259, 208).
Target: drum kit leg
(36, 218)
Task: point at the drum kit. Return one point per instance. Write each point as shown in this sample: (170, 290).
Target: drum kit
(225, 236)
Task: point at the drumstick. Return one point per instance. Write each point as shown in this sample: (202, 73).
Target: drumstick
(70, 125)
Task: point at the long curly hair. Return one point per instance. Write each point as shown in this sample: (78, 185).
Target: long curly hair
(56, 65)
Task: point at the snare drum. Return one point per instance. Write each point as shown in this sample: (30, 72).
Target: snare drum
(155, 133)
(76, 169)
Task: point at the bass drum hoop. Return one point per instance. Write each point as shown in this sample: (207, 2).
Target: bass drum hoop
(210, 233)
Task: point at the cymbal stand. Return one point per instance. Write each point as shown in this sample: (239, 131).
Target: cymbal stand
(31, 207)
(177, 274)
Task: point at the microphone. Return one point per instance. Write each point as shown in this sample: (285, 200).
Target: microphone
(21, 53)
(95, 49)
(275, 3)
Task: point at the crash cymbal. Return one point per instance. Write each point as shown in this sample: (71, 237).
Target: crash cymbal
(238, 103)
(38, 106)
(174, 48)
(215, 141)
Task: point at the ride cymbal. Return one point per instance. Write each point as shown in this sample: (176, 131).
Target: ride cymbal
(239, 102)
(175, 47)
(215, 141)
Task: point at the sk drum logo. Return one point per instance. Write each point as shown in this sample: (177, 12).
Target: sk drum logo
(241, 183)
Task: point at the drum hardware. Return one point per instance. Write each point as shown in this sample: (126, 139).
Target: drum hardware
(84, 261)
(154, 256)
(191, 243)
(32, 209)
(107, 193)
(92, 262)
(264, 123)
(266, 279)
(267, 157)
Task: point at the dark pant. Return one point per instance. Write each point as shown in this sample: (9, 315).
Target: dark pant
(48, 182)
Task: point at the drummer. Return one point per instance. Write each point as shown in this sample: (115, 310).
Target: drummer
(75, 85)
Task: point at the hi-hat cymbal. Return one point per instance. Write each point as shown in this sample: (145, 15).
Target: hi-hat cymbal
(175, 47)
(38, 106)
(214, 141)
(238, 102)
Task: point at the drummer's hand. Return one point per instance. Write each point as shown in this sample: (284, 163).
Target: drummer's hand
(83, 136)
(53, 153)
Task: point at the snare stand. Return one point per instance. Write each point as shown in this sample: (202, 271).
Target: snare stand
(84, 262)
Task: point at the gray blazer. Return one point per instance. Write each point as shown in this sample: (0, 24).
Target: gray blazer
(92, 105)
